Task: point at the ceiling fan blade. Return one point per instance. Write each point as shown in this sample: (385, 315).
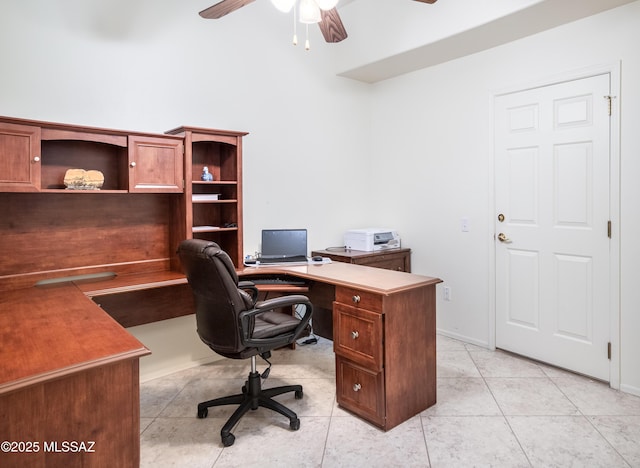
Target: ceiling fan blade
(427, 1)
(331, 26)
(223, 8)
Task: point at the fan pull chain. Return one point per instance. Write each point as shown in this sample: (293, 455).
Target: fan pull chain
(306, 42)
(295, 27)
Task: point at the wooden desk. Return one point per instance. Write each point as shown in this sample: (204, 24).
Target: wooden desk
(384, 332)
(383, 328)
(392, 259)
(68, 374)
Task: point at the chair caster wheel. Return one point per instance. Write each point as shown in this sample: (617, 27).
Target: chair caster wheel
(298, 394)
(228, 440)
(294, 425)
(203, 413)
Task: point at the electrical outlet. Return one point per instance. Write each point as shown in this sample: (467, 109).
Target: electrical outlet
(464, 224)
(446, 293)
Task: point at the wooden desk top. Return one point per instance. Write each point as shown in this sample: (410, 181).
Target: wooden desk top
(50, 332)
(350, 253)
(376, 280)
(127, 283)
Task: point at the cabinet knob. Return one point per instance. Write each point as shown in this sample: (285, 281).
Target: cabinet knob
(356, 299)
(132, 164)
(355, 334)
(36, 159)
(357, 387)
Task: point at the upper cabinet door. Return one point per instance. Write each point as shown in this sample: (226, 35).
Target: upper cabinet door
(155, 164)
(20, 158)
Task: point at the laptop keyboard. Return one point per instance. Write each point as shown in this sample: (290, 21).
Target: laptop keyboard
(299, 258)
(277, 280)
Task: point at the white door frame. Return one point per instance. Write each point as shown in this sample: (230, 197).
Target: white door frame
(614, 186)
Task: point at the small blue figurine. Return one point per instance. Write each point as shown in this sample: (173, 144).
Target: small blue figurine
(206, 175)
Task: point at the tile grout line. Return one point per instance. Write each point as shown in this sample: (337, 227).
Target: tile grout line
(504, 416)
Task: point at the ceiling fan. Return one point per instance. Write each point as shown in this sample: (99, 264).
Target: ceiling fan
(329, 21)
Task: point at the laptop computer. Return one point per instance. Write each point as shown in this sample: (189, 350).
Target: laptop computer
(283, 246)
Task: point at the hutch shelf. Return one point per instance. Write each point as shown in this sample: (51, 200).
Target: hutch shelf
(152, 198)
(213, 208)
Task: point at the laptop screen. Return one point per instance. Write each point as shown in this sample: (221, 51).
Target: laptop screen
(283, 243)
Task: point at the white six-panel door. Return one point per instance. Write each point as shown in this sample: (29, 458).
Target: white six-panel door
(552, 244)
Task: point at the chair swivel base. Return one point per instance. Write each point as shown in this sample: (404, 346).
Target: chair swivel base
(251, 398)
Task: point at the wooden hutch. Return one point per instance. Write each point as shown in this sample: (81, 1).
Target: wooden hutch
(69, 256)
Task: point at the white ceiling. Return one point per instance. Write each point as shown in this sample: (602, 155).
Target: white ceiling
(388, 38)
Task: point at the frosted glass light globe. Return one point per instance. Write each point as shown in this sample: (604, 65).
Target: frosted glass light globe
(283, 5)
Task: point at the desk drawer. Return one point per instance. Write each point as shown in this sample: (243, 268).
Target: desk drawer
(387, 261)
(360, 390)
(358, 335)
(359, 299)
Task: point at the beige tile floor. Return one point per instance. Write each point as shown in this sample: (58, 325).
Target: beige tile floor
(494, 409)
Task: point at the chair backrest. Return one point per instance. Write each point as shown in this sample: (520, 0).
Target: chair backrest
(218, 300)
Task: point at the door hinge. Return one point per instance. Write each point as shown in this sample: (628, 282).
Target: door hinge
(609, 229)
(609, 350)
(610, 101)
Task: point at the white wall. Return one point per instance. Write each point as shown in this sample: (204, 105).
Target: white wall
(413, 152)
(436, 127)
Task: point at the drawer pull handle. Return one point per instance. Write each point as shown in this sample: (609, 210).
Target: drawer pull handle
(356, 387)
(36, 159)
(355, 334)
(356, 299)
(132, 164)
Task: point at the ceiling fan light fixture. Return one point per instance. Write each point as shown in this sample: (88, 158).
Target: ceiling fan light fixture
(326, 4)
(309, 12)
(283, 5)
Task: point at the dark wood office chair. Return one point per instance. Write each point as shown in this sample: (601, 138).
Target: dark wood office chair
(234, 325)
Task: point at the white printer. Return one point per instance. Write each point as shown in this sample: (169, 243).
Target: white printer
(371, 239)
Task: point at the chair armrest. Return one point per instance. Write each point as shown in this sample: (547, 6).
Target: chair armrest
(249, 287)
(246, 321)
